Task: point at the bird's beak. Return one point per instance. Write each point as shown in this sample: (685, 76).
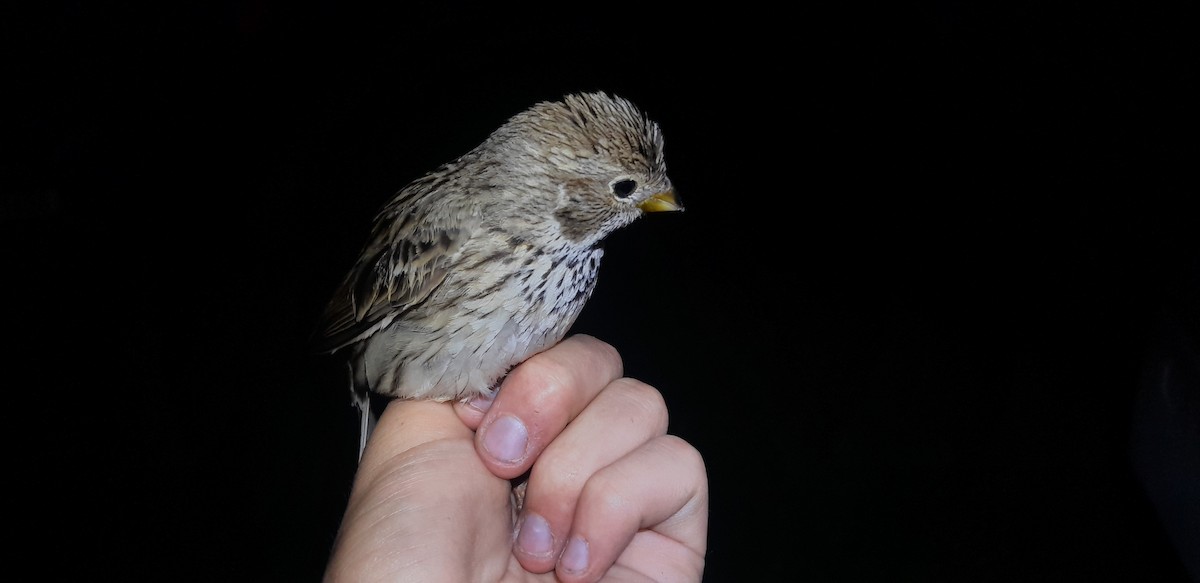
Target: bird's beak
(662, 202)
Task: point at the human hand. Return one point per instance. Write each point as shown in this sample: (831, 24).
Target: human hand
(610, 495)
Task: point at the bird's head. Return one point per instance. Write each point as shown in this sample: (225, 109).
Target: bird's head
(600, 156)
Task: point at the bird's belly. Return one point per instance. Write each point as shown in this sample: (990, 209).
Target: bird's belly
(484, 329)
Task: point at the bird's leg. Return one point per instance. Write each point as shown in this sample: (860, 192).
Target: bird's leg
(517, 495)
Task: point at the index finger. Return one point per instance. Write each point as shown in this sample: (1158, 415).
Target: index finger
(537, 400)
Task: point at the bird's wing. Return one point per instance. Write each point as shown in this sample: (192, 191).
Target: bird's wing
(406, 258)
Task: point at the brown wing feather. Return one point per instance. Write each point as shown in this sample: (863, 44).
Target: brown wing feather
(407, 257)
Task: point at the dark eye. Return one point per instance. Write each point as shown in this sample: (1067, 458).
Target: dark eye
(623, 188)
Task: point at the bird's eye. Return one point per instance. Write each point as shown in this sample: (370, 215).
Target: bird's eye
(623, 188)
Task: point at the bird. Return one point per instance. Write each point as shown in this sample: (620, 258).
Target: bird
(487, 260)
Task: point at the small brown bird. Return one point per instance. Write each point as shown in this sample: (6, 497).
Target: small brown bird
(488, 260)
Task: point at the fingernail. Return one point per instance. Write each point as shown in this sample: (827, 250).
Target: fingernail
(575, 558)
(535, 537)
(480, 403)
(506, 438)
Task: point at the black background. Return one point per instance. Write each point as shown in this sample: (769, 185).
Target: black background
(927, 251)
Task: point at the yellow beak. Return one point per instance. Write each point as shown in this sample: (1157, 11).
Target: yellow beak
(661, 202)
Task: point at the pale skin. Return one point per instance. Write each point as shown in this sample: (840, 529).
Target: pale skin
(611, 496)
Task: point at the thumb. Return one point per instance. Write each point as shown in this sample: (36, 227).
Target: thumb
(421, 485)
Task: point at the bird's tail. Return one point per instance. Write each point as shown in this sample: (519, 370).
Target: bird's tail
(366, 421)
(360, 397)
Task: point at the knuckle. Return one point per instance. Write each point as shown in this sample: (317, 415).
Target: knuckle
(557, 475)
(541, 378)
(676, 448)
(644, 399)
(606, 489)
(601, 350)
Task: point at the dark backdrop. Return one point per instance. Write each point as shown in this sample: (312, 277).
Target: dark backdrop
(931, 253)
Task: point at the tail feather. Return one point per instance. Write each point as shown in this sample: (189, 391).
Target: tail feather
(360, 398)
(362, 401)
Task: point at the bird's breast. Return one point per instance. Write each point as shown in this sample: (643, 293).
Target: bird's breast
(556, 284)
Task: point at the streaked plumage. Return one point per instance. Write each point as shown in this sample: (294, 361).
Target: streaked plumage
(487, 260)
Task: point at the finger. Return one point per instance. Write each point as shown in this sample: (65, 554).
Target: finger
(420, 480)
(623, 417)
(661, 487)
(472, 412)
(539, 398)
(405, 425)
